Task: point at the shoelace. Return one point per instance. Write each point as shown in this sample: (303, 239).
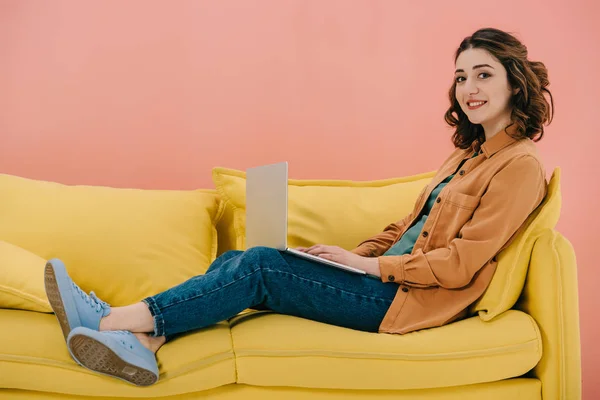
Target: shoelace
(127, 333)
(91, 299)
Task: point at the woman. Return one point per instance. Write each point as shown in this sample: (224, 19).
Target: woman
(433, 263)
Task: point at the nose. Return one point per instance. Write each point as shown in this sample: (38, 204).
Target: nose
(471, 87)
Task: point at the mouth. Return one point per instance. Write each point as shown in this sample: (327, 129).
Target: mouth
(474, 105)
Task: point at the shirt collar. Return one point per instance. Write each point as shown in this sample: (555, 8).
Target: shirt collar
(497, 142)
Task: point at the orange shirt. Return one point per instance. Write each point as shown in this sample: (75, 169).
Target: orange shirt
(476, 215)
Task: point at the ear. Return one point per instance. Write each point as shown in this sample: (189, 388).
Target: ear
(516, 90)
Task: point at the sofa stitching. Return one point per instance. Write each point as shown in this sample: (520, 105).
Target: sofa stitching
(538, 335)
(213, 359)
(500, 350)
(235, 359)
(559, 298)
(205, 362)
(39, 361)
(26, 296)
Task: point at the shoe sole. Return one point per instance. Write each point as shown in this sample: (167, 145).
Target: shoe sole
(56, 302)
(99, 358)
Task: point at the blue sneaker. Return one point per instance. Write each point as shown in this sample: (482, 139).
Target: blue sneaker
(72, 306)
(114, 353)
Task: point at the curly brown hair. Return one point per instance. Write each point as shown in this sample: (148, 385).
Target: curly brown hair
(530, 109)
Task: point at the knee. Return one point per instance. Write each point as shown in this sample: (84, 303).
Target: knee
(228, 255)
(231, 253)
(223, 258)
(261, 255)
(260, 251)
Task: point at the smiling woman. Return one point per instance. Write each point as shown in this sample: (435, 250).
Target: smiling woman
(496, 85)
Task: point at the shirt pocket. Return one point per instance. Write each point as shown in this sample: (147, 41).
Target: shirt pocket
(462, 200)
(455, 211)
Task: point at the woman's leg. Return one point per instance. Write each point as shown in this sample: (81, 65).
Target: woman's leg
(137, 317)
(265, 278)
(258, 278)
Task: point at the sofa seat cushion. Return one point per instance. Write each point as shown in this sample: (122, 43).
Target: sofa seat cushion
(34, 356)
(280, 350)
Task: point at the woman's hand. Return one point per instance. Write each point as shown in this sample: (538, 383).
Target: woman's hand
(334, 253)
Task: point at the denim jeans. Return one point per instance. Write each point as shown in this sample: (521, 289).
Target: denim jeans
(265, 278)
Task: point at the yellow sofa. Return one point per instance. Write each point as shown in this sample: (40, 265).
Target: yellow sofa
(520, 342)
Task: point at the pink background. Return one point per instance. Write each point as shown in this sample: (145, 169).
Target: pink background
(154, 94)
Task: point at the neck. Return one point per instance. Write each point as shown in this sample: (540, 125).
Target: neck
(493, 127)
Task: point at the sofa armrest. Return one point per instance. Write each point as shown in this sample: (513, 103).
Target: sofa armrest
(550, 296)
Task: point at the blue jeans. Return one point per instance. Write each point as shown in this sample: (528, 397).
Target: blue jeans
(265, 278)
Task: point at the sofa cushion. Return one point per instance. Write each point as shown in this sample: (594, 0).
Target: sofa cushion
(22, 279)
(508, 281)
(335, 212)
(34, 356)
(280, 350)
(125, 244)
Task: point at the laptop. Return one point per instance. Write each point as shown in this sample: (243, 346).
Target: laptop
(267, 213)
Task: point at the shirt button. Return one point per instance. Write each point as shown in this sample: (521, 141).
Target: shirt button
(438, 200)
(462, 172)
(425, 234)
(405, 289)
(391, 278)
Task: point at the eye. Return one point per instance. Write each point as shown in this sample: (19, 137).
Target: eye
(483, 75)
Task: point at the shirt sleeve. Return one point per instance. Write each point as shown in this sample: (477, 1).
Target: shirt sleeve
(513, 193)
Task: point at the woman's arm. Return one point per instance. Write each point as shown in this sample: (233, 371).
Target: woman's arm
(512, 195)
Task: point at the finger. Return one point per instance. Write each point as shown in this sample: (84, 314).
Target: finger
(329, 256)
(318, 252)
(317, 249)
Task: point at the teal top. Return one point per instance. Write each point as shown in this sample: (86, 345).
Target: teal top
(407, 241)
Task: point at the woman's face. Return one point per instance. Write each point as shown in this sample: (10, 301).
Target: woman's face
(482, 90)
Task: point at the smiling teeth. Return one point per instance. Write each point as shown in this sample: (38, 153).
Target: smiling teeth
(477, 103)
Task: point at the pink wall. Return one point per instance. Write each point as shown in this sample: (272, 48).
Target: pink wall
(145, 94)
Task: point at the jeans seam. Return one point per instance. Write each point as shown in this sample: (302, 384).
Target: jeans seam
(328, 286)
(214, 290)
